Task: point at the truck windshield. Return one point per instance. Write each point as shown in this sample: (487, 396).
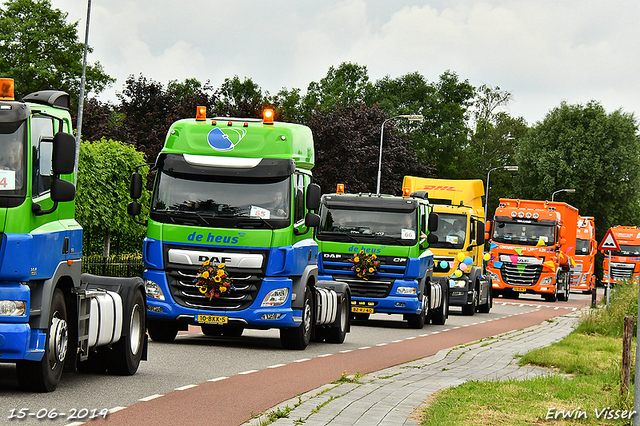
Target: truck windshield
(452, 231)
(528, 234)
(627, 251)
(183, 199)
(12, 159)
(370, 226)
(582, 247)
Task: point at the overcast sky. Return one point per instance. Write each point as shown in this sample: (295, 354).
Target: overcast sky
(542, 51)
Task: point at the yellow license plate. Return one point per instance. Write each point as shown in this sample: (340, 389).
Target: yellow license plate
(522, 289)
(359, 310)
(212, 319)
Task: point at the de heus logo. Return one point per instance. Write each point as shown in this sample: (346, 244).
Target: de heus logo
(225, 139)
(355, 249)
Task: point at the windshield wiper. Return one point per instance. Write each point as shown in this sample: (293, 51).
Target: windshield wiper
(250, 222)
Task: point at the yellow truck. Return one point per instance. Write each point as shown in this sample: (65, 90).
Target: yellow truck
(458, 244)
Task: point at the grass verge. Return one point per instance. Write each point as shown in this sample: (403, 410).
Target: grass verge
(584, 388)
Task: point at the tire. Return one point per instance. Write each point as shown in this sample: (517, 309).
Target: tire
(417, 320)
(298, 338)
(486, 307)
(162, 331)
(45, 375)
(470, 310)
(126, 353)
(552, 297)
(439, 316)
(338, 334)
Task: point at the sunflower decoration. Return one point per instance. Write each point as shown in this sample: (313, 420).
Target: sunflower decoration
(364, 264)
(213, 280)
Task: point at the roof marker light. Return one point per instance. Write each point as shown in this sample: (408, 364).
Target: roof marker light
(229, 123)
(267, 116)
(340, 188)
(6, 89)
(201, 113)
(213, 122)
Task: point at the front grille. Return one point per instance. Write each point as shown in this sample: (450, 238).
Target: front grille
(576, 273)
(512, 276)
(621, 273)
(390, 268)
(185, 293)
(247, 281)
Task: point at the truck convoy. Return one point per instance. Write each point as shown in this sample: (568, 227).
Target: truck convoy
(532, 247)
(459, 247)
(52, 317)
(583, 274)
(378, 246)
(625, 264)
(229, 240)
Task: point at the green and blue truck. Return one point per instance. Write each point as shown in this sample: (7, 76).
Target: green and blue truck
(52, 317)
(233, 197)
(387, 237)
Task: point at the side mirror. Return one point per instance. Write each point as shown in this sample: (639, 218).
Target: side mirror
(312, 220)
(135, 189)
(432, 239)
(133, 208)
(62, 190)
(64, 153)
(433, 222)
(313, 197)
(563, 231)
(487, 230)
(480, 237)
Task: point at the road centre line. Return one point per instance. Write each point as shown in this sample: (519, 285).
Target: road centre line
(149, 398)
(185, 387)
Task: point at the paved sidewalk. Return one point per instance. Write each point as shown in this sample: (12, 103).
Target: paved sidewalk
(390, 397)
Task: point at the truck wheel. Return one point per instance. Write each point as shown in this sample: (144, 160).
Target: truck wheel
(439, 316)
(552, 297)
(470, 310)
(126, 353)
(338, 334)
(486, 308)
(161, 331)
(45, 375)
(298, 337)
(417, 320)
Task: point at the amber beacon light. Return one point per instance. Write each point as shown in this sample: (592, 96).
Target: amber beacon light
(267, 116)
(6, 89)
(201, 113)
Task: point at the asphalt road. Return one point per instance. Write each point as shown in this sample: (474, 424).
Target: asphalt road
(249, 374)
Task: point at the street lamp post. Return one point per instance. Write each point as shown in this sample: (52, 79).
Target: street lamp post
(410, 117)
(486, 195)
(562, 190)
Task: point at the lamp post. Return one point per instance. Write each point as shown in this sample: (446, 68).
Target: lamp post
(562, 190)
(410, 117)
(486, 195)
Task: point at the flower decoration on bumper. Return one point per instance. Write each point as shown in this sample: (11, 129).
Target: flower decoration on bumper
(213, 280)
(364, 264)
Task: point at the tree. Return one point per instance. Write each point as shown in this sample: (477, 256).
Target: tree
(39, 50)
(104, 170)
(237, 98)
(493, 143)
(347, 144)
(583, 147)
(347, 84)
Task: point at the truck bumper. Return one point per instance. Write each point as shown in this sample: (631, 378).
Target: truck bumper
(256, 316)
(543, 286)
(459, 295)
(395, 303)
(20, 342)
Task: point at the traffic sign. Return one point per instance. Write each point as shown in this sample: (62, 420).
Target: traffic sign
(609, 242)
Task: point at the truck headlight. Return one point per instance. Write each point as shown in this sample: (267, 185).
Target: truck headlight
(547, 281)
(493, 276)
(275, 297)
(407, 290)
(457, 283)
(13, 308)
(153, 290)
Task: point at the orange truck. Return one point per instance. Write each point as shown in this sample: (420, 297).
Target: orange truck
(583, 274)
(532, 246)
(625, 264)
